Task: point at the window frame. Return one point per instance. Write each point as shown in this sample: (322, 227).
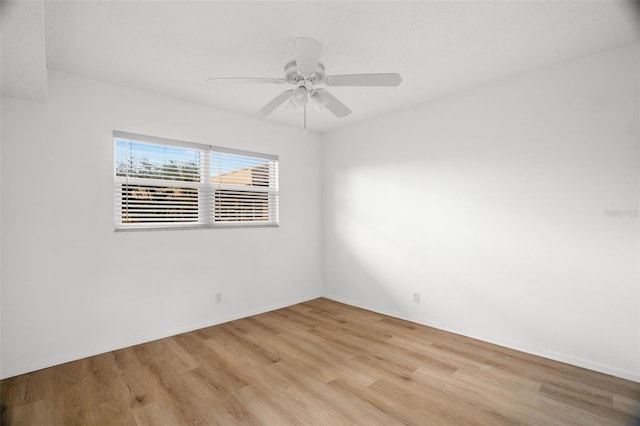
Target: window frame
(204, 189)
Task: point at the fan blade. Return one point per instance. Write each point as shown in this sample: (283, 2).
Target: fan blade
(333, 104)
(383, 79)
(248, 80)
(275, 103)
(308, 53)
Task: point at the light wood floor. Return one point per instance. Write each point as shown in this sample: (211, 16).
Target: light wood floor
(319, 362)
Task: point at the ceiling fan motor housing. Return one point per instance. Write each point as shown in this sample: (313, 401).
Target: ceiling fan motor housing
(292, 75)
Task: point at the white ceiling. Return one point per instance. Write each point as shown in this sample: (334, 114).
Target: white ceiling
(439, 47)
(24, 66)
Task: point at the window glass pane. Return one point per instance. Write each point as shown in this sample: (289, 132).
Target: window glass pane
(231, 169)
(144, 160)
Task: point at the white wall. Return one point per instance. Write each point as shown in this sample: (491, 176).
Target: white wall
(71, 287)
(496, 205)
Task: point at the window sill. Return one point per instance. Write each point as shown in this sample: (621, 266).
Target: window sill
(193, 227)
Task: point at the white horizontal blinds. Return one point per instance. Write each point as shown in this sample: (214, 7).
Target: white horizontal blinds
(161, 183)
(156, 184)
(245, 188)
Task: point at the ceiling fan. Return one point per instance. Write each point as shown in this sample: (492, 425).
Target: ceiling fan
(307, 74)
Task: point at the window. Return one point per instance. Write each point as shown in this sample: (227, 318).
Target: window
(161, 183)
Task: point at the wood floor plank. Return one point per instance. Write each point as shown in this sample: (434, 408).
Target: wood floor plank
(467, 386)
(317, 363)
(246, 345)
(234, 412)
(154, 414)
(571, 396)
(185, 403)
(276, 391)
(390, 404)
(264, 406)
(294, 355)
(320, 392)
(12, 395)
(73, 399)
(565, 414)
(628, 405)
(142, 389)
(35, 413)
(227, 408)
(278, 324)
(447, 407)
(108, 391)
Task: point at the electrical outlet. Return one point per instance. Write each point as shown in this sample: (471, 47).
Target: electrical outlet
(416, 297)
(218, 297)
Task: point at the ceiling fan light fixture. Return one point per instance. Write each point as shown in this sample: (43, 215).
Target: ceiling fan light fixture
(319, 99)
(290, 105)
(300, 96)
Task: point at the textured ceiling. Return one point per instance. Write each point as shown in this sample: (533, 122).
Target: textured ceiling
(24, 66)
(438, 47)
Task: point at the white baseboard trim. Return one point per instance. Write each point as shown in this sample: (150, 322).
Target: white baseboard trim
(589, 365)
(127, 343)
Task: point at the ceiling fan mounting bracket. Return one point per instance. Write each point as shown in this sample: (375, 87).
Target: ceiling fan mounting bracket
(293, 76)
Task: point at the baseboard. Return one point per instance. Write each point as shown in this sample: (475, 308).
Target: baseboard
(173, 332)
(589, 365)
